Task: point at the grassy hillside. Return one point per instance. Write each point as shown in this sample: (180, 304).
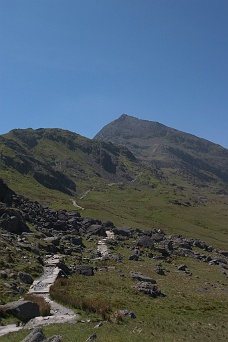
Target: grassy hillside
(65, 171)
(194, 307)
(54, 159)
(60, 168)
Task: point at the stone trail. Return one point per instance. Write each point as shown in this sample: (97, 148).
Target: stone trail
(6, 329)
(41, 286)
(102, 244)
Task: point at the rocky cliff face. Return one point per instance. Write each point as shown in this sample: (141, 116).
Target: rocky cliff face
(6, 194)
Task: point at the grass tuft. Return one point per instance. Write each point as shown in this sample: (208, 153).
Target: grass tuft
(89, 305)
(44, 307)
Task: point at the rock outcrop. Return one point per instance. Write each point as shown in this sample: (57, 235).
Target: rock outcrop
(6, 194)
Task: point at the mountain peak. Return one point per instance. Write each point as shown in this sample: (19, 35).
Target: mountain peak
(126, 127)
(167, 148)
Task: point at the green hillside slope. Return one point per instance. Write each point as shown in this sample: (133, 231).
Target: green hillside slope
(62, 169)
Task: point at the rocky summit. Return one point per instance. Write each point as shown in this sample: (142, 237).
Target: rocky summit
(195, 159)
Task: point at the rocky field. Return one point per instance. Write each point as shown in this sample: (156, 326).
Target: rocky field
(133, 284)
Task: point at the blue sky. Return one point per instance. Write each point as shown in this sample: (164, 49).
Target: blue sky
(79, 64)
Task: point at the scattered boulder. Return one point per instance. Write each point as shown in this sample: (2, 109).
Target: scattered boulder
(134, 257)
(124, 231)
(14, 288)
(126, 313)
(12, 221)
(25, 278)
(96, 229)
(164, 252)
(75, 240)
(157, 235)
(98, 325)
(141, 277)
(200, 244)
(224, 253)
(63, 267)
(37, 335)
(148, 288)
(160, 271)
(22, 309)
(182, 267)
(146, 285)
(145, 241)
(60, 225)
(92, 337)
(87, 221)
(169, 245)
(84, 270)
(54, 240)
(55, 338)
(3, 275)
(108, 224)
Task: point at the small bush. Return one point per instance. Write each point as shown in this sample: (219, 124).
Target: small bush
(44, 307)
(118, 317)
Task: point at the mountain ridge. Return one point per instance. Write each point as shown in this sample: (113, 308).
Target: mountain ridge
(151, 237)
(134, 119)
(60, 159)
(62, 169)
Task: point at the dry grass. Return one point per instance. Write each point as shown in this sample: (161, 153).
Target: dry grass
(44, 307)
(89, 305)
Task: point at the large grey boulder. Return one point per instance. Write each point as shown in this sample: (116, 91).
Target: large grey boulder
(124, 231)
(141, 277)
(22, 309)
(74, 240)
(92, 337)
(145, 241)
(223, 252)
(84, 270)
(53, 239)
(182, 267)
(37, 335)
(12, 222)
(54, 339)
(148, 288)
(63, 267)
(3, 274)
(25, 278)
(126, 312)
(96, 229)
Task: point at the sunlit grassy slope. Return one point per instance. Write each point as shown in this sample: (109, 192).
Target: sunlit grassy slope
(140, 206)
(195, 307)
